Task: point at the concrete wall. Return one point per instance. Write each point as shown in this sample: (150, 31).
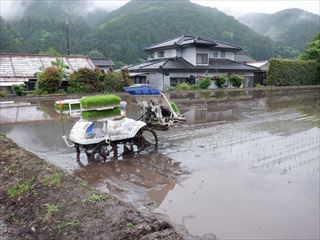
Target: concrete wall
(162, 82)
(155, 80)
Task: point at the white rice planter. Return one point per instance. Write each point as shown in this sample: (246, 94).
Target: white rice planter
(100, 137)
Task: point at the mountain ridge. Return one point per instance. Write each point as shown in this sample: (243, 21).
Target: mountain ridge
(294, 27)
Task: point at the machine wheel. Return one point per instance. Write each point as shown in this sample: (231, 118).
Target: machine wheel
(145, 138)
(104, 151)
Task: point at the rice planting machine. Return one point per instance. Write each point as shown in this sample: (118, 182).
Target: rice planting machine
(103, 124)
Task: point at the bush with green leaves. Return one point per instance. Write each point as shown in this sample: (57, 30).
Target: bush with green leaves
(183, 87)
(205, 83)
(312, 51)
(236, 81)
(194, 87)
(3, 93)
(86, 80)
(19, 90)
(49, 80)
(114, 82)
(284, 72)
(220, 80)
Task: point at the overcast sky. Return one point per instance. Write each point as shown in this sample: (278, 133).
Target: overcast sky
(239, 6)
(232, 7)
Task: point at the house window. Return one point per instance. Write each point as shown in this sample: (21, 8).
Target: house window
(223, 54)
(202, 58)
(161, 54)
(175, 81)
(215, 54)
(151, 55)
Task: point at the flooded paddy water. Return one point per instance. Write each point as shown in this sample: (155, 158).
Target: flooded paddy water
(244, 165)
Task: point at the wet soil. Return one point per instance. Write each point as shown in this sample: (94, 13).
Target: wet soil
(39, 201)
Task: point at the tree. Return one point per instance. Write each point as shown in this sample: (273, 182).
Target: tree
(95, 54)
(51, 51)
(114, 82)
(49, 80)
(312, 51)
(236, 81)
(87, 80)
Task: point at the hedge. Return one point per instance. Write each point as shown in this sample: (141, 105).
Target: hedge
(283, 72)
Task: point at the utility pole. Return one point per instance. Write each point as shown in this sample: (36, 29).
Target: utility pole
(67, 32)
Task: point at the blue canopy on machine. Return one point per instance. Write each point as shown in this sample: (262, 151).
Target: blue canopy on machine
(142, 90)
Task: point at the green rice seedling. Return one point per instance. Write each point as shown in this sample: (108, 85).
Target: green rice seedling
(91, 115)
(175, 107)
(99, 101)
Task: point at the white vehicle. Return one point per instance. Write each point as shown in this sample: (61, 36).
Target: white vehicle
(100, 138)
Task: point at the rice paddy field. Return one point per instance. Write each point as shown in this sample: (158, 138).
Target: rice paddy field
(245, 165)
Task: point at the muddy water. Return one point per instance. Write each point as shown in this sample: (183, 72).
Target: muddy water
(237, 169)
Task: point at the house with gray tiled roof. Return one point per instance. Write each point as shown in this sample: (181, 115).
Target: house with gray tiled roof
(16, 69)
(188, 59)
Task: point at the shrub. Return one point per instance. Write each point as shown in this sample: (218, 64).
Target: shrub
(100, 101)
(195, 87)
(236, 81)
(220, 81)
(114, 82)
(18, 89)
(205, 83)
(3, 93)
(183, 87)
(49, 80)
(86, 80)
(284, 72)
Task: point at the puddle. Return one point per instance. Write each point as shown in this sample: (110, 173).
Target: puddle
(237, 169)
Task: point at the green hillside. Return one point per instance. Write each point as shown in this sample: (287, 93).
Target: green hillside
(123, 33)
(293, 27)
(140, 23)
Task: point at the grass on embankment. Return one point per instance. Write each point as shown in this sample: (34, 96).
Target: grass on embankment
(39, 201)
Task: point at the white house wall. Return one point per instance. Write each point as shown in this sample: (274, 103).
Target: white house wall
(170, 53)
(189, 54)
(230, 55)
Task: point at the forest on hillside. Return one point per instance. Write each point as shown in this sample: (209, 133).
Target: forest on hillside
(123, 33)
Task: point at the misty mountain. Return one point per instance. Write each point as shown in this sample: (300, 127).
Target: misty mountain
(123, 33)
(127, 30)
(294, 27)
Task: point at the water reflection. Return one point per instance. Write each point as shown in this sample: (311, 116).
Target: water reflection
(138, 176)
(256, 176)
